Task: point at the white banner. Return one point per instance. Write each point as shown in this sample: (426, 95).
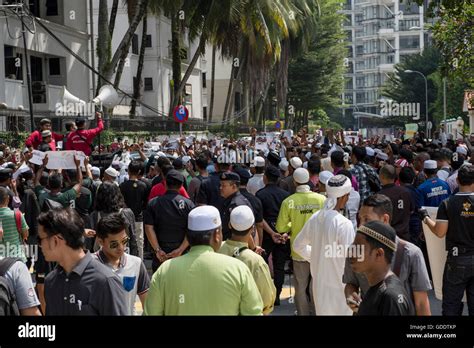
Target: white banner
(58, 159)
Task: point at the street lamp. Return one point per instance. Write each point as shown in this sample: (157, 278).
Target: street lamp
(428, 130)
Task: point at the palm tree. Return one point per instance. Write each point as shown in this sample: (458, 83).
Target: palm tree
(138, 83)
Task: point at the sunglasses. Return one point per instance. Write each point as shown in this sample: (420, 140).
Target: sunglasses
(115, 244)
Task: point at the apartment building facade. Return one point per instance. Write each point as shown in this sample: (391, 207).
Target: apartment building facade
(380, 34)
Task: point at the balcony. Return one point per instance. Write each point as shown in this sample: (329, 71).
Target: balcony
(14, 93)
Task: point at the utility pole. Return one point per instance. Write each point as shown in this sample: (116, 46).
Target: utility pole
(27, 66)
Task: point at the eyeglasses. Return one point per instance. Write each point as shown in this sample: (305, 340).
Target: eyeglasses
(115, 244)
(39, 239)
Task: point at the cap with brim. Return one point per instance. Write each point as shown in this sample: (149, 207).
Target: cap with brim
(5, 173)
(242, 218)
(430, 164)
(230, 177)
(173, 174)
(204, 218)
(383, 233)
(242, 173)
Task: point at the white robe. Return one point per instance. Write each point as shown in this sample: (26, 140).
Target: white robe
(320, 236)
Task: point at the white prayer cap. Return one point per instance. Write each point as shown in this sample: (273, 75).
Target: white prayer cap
(284, 165)
(382, 156)
(111, 172)
(161, 154)
(204, 218)
(370, 151)
(186, 159)
(338, 186)
(430, 164)
(242, 218)
(301, 176)
(324, 176)
(95, 171)
(442, 174)
(461, 150)
(259, 161)
(296, 162)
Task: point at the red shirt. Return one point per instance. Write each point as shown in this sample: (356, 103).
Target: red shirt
(81, 139)
(160, 190)
(35, 139)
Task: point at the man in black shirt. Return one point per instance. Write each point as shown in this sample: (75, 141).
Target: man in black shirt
(271, 197)
(402, 201)
(372, 255)
(209, 192)
(135, 195)
(455, 220)
(254, 201)
(166, 221)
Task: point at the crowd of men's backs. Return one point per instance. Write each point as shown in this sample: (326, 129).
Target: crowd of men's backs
(344, 219)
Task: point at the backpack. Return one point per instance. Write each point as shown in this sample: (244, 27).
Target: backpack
(49, 204)
(8, 305)
(373, 180)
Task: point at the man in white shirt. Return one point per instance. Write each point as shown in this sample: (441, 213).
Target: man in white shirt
(324, 241)
(256, 182)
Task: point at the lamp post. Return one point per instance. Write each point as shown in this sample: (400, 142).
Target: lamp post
(428, 130)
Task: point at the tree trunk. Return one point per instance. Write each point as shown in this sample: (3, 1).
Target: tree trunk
(213, 80)
(121, 54)
(113, 16)
(104, 42)
(176, 62)
(137, 85)
(229, 92)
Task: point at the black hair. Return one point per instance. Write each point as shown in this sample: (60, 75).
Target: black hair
(466, 175)
(3, 194)
(55, 181)
(388, 171)
(222, 167)
(271, 178)
(458, 164)
(241, 233)
(407, 175)
(202, 162)
(375, 244)
(407, 154)
(337, 157)
(314, 166)
(200, 237)
(381, 204)
(360, 153)
(259, 170)
(165, 169)
(109, 198)
(111, 224)
(66, 222)
(69, 125)
(430, 172)
(44, 180)
(136, 167)
(162, 161)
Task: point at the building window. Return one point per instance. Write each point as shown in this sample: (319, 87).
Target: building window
(148, 41)
(36, 68)
(409, 42)
(34, 6)
(148, 84)
(52, 8)
(237, 102)
(204, 80)
(204, 114)
(135, 44)
(54, 66)
(13, 64)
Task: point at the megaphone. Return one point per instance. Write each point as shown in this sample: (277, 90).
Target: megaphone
(107, 96)
(69, 97)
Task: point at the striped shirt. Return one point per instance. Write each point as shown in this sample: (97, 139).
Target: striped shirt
(11, 244)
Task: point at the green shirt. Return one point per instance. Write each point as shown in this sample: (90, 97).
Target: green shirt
(259, 269)
(65, 198)
(295, 211)
(11, 245)
(203, 282)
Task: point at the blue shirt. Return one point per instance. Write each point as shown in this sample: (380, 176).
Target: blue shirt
(433, 191)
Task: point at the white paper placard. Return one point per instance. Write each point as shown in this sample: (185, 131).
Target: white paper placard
(58, 159)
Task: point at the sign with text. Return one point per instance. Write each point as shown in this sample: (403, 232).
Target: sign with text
(58, 159)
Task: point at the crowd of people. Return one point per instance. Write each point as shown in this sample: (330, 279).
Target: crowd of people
(223, 221)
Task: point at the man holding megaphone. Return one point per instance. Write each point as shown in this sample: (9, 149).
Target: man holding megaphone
(81, 139)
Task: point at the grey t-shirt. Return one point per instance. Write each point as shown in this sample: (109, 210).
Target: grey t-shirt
(413, 272)
(19, 279)
(133, 275)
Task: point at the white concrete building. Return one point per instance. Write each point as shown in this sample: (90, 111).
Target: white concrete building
(52, 67)
(157, 72)
(380, 33)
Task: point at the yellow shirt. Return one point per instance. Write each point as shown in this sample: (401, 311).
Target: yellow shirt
(259, 269)
(203, 282)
